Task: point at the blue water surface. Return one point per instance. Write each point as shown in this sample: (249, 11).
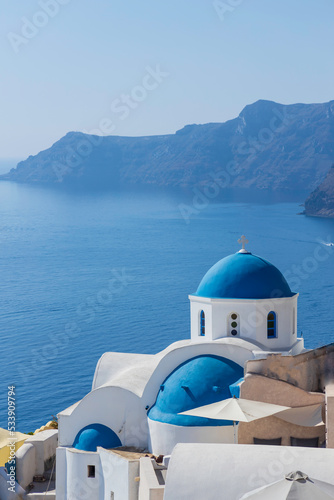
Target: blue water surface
(85, 274)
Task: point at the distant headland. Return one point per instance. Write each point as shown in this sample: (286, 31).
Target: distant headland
(274, 148)
(320, 203)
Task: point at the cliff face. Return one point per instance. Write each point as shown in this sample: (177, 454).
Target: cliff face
(269, 146)
(321, 202)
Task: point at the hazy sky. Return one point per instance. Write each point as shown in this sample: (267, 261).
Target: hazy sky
(70, 66)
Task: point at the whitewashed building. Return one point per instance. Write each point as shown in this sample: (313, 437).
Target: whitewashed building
(242, 310)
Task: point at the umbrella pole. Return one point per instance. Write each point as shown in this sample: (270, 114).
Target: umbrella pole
(234, 432)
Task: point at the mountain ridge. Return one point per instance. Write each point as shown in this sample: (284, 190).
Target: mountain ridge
(267, 147)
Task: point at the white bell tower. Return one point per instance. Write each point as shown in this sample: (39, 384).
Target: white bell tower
(245, 297)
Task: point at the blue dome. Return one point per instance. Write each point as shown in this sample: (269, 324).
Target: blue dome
(94, 435)
(197, 382)
(243, 276)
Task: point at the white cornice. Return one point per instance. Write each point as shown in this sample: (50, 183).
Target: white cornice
(207, 300)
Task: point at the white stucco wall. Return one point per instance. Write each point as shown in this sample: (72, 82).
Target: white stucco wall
(61, 474)
(5, 494)
(25, 464)
(119, 476)
(252, 319)
(206, 470)
(164, 437)
(117, 408)
(113, 473)
(32, 456)
(149, 487)
(78, 485)
(45, 443)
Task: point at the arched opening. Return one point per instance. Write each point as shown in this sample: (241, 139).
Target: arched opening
(202, 324)
(272, 325)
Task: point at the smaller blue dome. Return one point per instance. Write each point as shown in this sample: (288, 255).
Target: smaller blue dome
(94, 435)
(243, 276)
(199, 381)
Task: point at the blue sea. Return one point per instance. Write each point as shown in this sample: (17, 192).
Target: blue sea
(82, 274)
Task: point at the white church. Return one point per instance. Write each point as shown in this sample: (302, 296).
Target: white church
(243, 309)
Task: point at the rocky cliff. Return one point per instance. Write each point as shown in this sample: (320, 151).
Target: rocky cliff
(321, 201)
(268, 147)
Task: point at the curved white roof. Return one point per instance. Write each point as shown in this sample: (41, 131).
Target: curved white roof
(196, 470)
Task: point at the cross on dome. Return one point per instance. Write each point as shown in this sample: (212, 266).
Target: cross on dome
(243, 241)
